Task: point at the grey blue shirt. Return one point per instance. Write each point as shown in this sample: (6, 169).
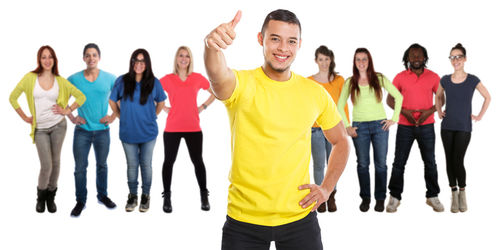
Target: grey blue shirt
(458, 103)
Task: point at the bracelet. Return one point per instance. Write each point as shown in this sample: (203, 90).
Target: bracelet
(204, 106)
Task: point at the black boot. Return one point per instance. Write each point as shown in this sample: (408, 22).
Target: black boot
(167, 204)
(205, 205)
(332, 207)
(51, 206)
(40, 200)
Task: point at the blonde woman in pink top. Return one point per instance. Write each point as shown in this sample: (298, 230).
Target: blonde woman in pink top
(183, 121)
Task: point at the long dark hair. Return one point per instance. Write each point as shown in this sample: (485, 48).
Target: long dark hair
(39, 68)
(327, 52)
(147, 81)
(406, 56)
(373, 76)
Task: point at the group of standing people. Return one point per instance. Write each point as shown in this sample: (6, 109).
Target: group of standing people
(412, 95)
(271, 111)
(136, 98)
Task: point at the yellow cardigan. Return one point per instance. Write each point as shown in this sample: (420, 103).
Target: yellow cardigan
(27, 84)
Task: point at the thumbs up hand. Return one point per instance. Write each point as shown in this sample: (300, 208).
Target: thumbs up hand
(224, 35)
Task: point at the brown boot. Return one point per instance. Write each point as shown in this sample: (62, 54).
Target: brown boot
(332, 207)
(322, 208)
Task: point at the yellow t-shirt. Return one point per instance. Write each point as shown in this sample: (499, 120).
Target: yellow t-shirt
(334, 88)
(271, 145)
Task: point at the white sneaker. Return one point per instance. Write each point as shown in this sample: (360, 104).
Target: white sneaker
(393, 205)
(454, 201)
(462, 202)
(435, 204)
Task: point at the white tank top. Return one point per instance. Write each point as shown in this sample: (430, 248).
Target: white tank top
(44, 100)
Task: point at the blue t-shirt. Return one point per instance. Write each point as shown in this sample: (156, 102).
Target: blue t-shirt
(458, 103)
(137, 122)
(97, 93)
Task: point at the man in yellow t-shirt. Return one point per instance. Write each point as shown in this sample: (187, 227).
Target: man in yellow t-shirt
(271, 111)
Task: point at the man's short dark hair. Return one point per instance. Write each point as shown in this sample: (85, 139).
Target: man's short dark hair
(281, 15)
(90, 46)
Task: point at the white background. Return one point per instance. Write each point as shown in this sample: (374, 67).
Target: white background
(386, 28)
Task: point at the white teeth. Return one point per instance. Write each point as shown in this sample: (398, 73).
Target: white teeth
(281, 57)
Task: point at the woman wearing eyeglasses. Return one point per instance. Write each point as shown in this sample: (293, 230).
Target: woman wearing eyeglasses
(370, 125)
(141, 99)
(456, 127)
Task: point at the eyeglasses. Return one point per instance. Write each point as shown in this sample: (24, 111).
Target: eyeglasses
(136, 61)
(459, 57)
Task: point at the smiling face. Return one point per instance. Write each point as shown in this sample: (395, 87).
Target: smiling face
(457, 59)
(323, 62)
(183, 60)
(280, 43)
(139, 64)
(416, 58)
(47, 60)
(361, 61)
(91, 58)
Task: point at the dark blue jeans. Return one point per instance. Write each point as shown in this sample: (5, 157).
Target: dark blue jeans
(303, 234)
(371, 133)
(82, 141)
(426, 140)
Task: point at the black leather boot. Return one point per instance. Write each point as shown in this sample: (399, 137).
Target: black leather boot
(205, 205)
(51, 205)
(40, 200)
(332, 207)
(167, 204)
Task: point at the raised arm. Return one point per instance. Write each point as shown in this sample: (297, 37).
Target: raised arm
(222, 78)
(487, 98)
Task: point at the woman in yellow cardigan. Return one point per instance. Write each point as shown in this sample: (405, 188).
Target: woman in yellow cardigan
(47, 95)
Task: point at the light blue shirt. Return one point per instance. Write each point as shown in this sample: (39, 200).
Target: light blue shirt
(97, 93)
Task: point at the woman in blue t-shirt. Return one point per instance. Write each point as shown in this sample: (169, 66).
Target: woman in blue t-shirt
(457, 118)
(141, 99)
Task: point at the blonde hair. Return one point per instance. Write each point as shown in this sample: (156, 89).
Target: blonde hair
(190, 67)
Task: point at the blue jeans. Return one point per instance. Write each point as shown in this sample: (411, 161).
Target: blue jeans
(82, 141)
(139, 154)
(320, 150)
(371, 132)
(426, 139)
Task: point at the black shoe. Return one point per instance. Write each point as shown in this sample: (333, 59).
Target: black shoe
(322, 208)
(51, 205)
(106, 201)
(167, 204)
(379, 206)
(365, 205)
(205, 205)
(77, 210)
(332, 207)
(131, 203)
(145, 199)
(40, 200)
